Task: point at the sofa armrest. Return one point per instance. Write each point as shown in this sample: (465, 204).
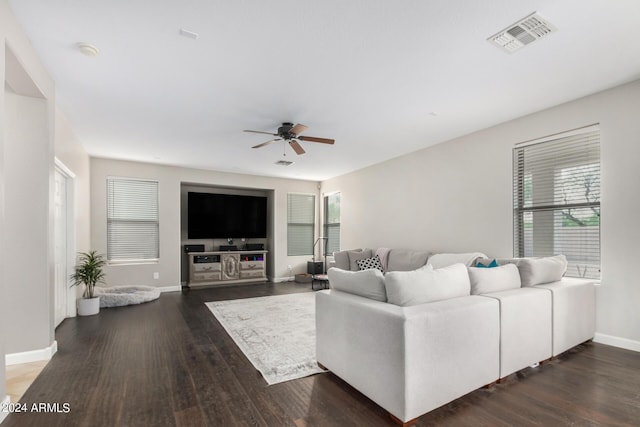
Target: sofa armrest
(409, 360)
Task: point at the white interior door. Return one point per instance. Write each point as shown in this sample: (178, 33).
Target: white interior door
(60, 238)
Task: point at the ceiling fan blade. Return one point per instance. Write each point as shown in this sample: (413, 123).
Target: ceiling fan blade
(298, 129)
(296, 147)
(316, 139)
(259, 131)
(267, 143)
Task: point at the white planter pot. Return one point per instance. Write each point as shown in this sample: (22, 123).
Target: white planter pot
(88, 306)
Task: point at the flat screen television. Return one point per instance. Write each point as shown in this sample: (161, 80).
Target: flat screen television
(218, 216)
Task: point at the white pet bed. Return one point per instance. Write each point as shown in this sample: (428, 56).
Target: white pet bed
(118, 296)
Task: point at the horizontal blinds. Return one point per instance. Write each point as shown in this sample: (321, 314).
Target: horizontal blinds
(332, 223)
(132, 220)
(332, 231)
(300, 223)
(557, 201)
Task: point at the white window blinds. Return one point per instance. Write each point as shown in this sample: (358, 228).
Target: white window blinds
(557, 200)
(132, 220)
(332, 223)
(300, 223)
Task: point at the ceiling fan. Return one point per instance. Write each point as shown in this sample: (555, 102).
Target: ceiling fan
(291, 134)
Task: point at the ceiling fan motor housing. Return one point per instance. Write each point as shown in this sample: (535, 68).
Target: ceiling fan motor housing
(284, 131)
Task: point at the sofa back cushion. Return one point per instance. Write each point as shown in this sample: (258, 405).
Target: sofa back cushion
(406, 260)
(444, 260)
(535, 271)
(496, 279)
(426, 284)
(341, 259)
(365, 283)
(348, 260)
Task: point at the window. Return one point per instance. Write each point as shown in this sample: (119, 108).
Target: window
(332, 223)
(557, 200)
(132, 220)
(300, 223)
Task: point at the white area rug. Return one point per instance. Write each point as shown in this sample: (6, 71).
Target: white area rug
(276, 333)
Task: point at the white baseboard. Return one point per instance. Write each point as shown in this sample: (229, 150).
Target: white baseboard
(281, 279)
(5, 403)
(32, 356)
(617, 341)
(176, 288)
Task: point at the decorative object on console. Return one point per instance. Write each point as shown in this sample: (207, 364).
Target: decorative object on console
(193, 248)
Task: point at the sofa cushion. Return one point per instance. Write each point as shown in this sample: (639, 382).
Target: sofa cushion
(536, 271)
(406, 260)
(443, 260)
(487, 280)
(369, 263)
(426, 284)
(341, 259)
(355, 256)
(365, 283)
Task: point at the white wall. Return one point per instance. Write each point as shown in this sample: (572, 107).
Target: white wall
(72, 154)
(170, 180)
(457, 196)
(27, 169)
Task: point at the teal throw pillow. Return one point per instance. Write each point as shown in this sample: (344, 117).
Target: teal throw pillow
(492, 264)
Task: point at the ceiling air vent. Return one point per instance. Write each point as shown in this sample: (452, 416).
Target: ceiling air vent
(284, 163)
(522, 33)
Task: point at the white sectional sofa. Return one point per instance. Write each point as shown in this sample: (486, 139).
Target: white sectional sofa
(419, 337)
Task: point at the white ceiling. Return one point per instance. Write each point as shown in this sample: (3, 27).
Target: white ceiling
(383, 78)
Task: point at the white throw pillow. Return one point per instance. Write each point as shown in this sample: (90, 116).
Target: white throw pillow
(365, 283)
(536, 271)
(494, 279)
(406, 288)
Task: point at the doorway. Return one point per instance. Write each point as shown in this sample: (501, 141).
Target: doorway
(64, 247)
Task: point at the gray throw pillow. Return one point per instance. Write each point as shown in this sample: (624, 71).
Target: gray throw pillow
(365, 283)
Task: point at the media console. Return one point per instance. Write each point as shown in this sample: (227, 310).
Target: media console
(226, 267)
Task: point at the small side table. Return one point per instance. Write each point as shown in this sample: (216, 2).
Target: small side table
(323, 279)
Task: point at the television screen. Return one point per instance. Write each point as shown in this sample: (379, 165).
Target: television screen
(212, 216)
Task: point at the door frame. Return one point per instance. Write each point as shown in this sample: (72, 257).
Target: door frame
(70, 180)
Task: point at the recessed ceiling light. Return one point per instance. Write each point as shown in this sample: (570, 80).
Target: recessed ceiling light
(87, 49)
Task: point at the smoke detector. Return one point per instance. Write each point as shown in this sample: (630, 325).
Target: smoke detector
(87, 49)
(522, 33)
(284, 163)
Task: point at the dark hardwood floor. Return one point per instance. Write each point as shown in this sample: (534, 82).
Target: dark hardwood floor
(170, 363)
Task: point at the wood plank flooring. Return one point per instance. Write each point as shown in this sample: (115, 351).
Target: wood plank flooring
(170, 363)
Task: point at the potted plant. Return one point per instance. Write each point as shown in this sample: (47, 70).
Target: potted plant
(88, 273)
